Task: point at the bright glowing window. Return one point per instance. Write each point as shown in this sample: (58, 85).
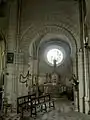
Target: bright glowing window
(54, 54)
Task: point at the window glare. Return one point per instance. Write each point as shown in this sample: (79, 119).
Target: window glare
(54, 54)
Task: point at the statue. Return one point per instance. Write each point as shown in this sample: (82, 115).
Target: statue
(75, 82)
(48, 78)
(55, 76)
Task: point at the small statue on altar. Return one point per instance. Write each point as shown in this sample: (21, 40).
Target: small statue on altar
(48, 78)
(55, 76)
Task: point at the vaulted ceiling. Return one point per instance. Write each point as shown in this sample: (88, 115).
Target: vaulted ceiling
(88, 13)
(4, 11)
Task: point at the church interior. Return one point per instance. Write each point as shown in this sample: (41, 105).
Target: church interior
(44, 60)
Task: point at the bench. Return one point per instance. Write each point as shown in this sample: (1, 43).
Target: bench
(31, 102)
(24, 103)
(42, 102)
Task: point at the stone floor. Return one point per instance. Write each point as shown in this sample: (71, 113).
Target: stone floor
(64, 110)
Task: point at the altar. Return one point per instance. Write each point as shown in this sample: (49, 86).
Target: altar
(54, 90)
(53, 84)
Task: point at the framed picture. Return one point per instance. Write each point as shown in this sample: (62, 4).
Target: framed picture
(10, 57)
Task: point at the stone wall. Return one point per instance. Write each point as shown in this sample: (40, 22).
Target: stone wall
(46, 17)
(38, 19)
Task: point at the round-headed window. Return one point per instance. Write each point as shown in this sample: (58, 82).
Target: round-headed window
(54, 54)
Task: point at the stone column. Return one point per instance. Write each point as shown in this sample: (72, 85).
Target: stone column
(89, 86)
(31, 71)
(35, 67)
(81, 82)
(11, 47)
(86, 64)
(76, 92)
(82, 13)
(36, 72)
(76, 97)
(88, 81)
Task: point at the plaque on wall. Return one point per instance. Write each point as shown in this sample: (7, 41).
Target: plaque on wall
(10, 57)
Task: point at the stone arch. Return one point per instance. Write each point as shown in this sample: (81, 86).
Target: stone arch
(31, 33)
(32, 38)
